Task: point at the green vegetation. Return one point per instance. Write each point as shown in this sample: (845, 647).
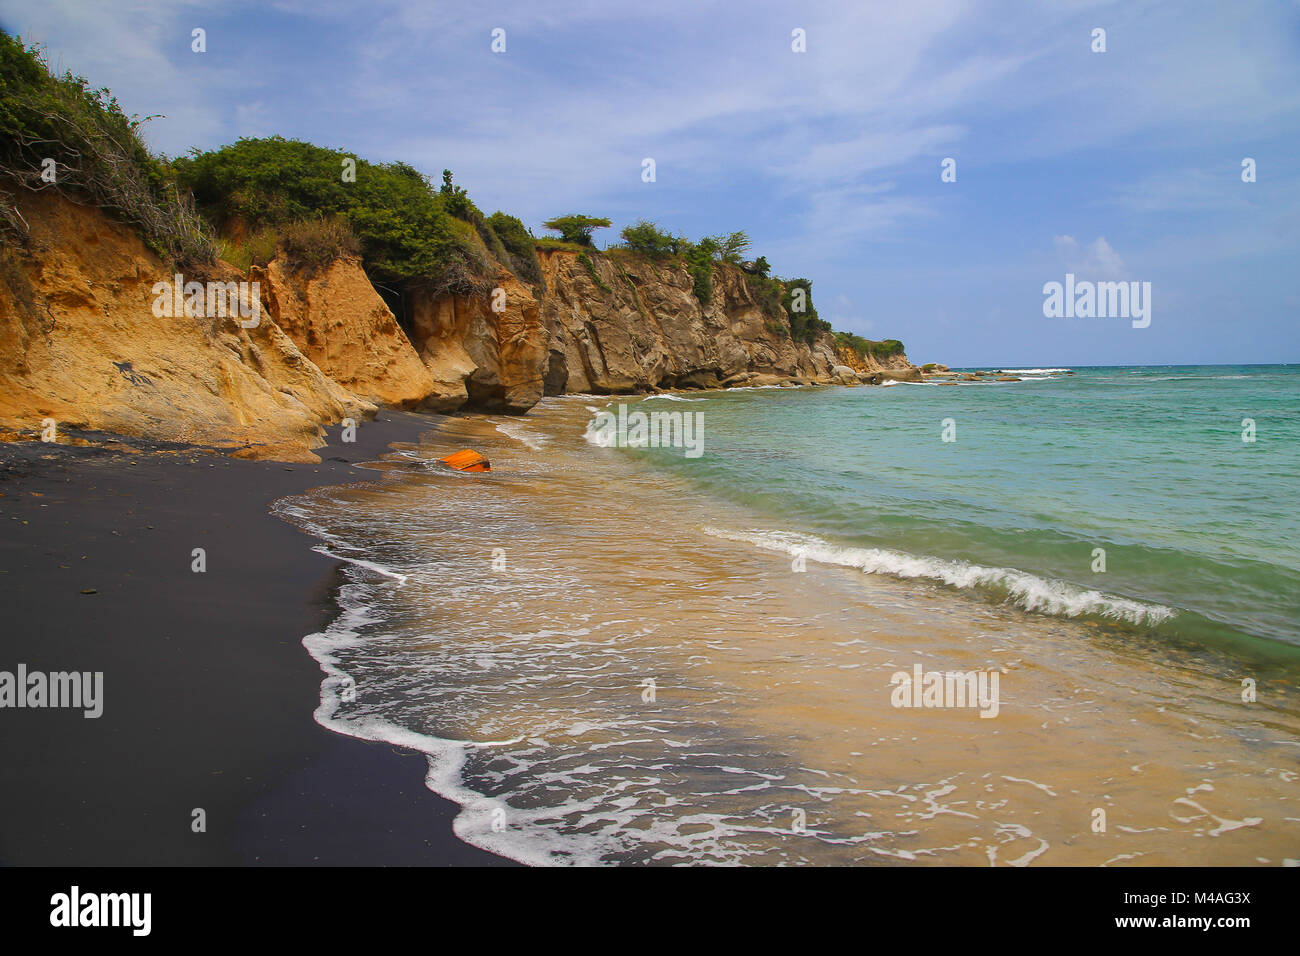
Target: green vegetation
(55, 132)
(648, 239)
(591, 271)
(519, 245)
(797, 301)
(731, 247)
(313, 244)
(576, 229)
(310, 204)
(254, 249)
(699, 262)
(400, 224)
(863, 347)
(457, 203)
(769, 293)
(775, 297)
(558, 245)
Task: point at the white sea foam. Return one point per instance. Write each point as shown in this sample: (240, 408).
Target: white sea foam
(1027, 591)
(670, 397)
(1031, 371)
(523, 433)
(603, 438)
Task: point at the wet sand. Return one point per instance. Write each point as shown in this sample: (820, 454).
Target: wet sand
(208, 692)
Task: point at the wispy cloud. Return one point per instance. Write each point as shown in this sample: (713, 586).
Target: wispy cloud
(828, 158)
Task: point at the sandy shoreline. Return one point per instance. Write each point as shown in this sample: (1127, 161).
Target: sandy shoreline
(208, 692)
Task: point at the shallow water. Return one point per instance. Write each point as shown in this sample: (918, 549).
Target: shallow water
(612, 655)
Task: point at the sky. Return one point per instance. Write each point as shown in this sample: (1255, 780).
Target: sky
(1122, 165)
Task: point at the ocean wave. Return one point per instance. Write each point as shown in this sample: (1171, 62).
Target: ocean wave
(1030, 371)
(1027, 591)
(523, 433)
(671, 398)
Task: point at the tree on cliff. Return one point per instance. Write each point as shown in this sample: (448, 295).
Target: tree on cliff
(576, 229)
(454, 198)
(647, 238)
(732, 247)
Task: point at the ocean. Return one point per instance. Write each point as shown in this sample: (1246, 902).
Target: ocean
(721, 652)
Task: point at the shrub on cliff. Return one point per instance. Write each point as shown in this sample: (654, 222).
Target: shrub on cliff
(55, 133)
(699, 262)
(312, 244)
(576, 229)
(861, 347)
(648, 239)
(400, 224)
(797, 302)
(520, 247)
(768, 293)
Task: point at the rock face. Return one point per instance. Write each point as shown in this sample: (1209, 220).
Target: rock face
(623, 323)
(79, 341)
(80, 344)
(337, 320)
(895, 367)
(487, 351)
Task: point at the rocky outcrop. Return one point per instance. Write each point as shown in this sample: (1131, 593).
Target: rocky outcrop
(487, 351)
(897, 366)
(337, 320)
(623, 323)
(80, 344)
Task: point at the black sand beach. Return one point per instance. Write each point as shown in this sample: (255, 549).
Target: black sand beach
(208, 692)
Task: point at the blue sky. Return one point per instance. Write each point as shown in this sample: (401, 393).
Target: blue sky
(1117, 165)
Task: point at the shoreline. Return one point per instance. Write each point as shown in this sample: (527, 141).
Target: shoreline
(209, 694)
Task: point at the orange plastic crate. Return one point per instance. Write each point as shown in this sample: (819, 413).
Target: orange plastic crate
(467, 460)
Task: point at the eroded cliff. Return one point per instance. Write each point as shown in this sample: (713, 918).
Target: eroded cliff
(80, 343)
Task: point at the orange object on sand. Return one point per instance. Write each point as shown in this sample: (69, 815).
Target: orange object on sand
(467, 460)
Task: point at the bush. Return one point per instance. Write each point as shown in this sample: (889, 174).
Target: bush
(863, 347)
(399, 222)
(768, 294)
(98, 156)
(647, 238)
(313, 244)
(255, 249)
(519, 246)
(699, 262)
(804, 322)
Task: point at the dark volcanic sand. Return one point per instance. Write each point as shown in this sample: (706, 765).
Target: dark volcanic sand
(208, 692)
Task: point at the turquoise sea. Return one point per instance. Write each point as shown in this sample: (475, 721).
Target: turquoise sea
(615, 654)
(1200, 528)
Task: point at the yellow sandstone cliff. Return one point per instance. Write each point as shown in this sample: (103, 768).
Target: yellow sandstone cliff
(80, 343)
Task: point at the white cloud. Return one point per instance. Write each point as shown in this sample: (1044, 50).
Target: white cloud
(1097, 260)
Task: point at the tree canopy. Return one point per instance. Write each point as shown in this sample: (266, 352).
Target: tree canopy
(577, 229)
